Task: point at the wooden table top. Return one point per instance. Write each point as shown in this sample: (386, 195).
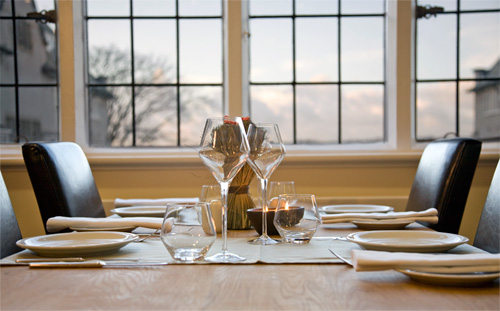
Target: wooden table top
(234, 287)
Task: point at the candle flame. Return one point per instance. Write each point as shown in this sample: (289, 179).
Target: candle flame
(286, 205)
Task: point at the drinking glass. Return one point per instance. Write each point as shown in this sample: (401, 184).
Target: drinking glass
(281, 187)
(211, 195)
(188, 231)
(296, 217)
(266, 153)
(224, 149)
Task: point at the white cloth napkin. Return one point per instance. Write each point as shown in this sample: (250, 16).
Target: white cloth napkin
(152, 202)
(58, 223)
(429, 215)
(364, 260)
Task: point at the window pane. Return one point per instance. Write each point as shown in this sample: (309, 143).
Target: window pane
(479, 4)
(273, 7)
(317, 7)
(6, 8)
(200, 7)
(108, 8)
(486, 108)
(467, 109)
(436, 47)
(448, 5)
(38, 113)
(271, 50)
(156, 116)
(317, 114)
(155, 53)
(36, 52)
(109, 50)
(362, 6)
(316, 49)
(198, 104)
(200, 51)
(362, 113)
(479, 43)
(154, 7)
(7, 53)
(436, 110)
(7, 115)
(110, 116)
(362, 49)
(274, 104)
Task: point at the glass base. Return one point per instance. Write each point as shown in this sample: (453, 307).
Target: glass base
(264, 240)
(225, 256)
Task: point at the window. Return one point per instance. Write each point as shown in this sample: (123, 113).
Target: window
(29, 100)
(458, 69)
(154, 71)
(317, 69)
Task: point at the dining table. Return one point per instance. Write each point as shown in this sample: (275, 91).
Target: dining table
(273, 279)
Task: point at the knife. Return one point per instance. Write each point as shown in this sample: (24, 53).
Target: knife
(96, 264)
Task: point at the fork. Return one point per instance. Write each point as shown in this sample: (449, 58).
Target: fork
(347, 261)
(156, 232)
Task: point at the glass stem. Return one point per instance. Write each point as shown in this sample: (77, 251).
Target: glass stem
(263, 183)
(224, 189)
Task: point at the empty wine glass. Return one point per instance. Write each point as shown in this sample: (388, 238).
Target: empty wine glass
(280, 187)
(224, 149)
(266, 153)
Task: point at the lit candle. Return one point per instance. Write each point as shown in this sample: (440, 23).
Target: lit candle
(290, 215)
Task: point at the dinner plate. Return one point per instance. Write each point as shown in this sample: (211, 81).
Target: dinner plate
(140, 211)
(407, 241)
(389, 224)
(460, 279)
(77, 244)
(120, 229)
(356, 208)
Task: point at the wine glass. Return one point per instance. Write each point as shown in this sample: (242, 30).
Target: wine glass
(266, 153)
(224, 149)
(280, 187)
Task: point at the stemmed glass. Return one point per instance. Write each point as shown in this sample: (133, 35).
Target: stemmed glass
(266, 153)
(224, 149)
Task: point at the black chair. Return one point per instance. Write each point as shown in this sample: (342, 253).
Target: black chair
(488, 229)
(443, 179)
(9, 227)
(62, 180)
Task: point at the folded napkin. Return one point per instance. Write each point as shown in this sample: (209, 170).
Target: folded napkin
(58, 223)
(152, 202)
(429, 215)
(364, 260)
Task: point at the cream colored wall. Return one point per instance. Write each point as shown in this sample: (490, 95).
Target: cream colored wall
(381, 182)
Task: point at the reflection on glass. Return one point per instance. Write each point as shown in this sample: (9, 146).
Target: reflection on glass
(316, 49)
(362, 6)
(274, 104)
(154, 7)
(319, 7)
(436, 47)
(362, 49)
(200, 51)
(155, 116)
(486, 105)
(110, 116)
(155, 55)
(266, 7)
(362, 113)
(200, 8)
(436, 111)
(38, 113)
(479, 42)
(271, 50)
(7, 115)
(317, 114)
(109, 50)
(108, 7)
(6, 57)
(198, 103)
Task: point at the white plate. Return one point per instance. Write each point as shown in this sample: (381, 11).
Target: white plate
(407, 241)
(465, 279)
(356, 208)
(140, 211)
(389, 224)
(78, 244)
(120, 229)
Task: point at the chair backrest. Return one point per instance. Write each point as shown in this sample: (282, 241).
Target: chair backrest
(9, 227)
(443, 179)
(62, 180)
(488, 229)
